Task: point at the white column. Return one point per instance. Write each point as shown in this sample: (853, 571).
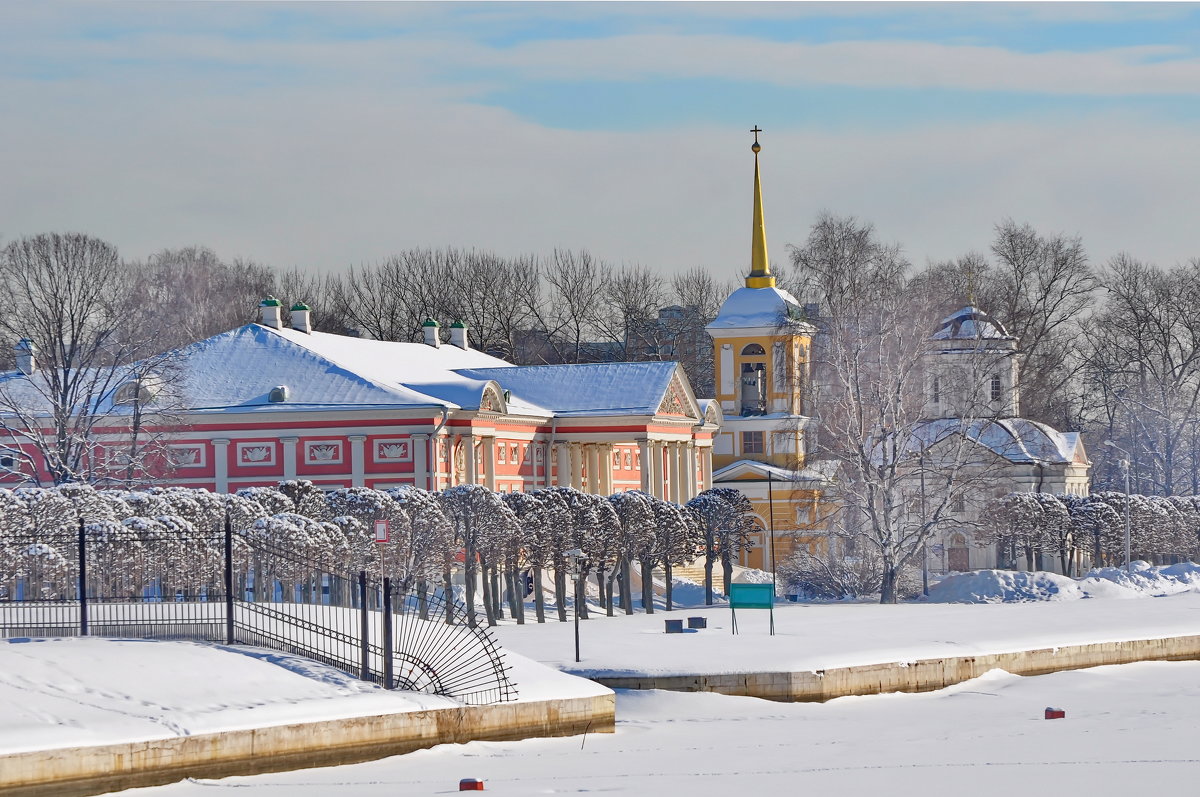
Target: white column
(644, 464)
(421, 469)
(725, 372)
(689, 484)
(221, 464)
(705, 468)
(676, 476)
(576, 466)
(468, 444)
(593, 467)
(606, 453)
(289, 456)
(562, 465)
(489, 462)
(657, 487)
(358, 460)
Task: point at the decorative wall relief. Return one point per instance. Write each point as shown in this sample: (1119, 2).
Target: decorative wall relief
(186, 455)
(393, 450)
(323, 452)
(255, 454)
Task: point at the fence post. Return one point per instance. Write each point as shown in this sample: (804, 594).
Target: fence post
(387, 633)
(83, 606)
(365, 628)
(228, 580)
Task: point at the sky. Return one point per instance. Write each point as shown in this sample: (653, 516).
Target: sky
(326, 135)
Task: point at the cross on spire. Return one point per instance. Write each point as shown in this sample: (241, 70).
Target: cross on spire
(756, 130)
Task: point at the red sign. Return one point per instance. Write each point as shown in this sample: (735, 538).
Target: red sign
(382, 531)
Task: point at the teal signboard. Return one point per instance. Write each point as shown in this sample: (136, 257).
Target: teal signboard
(752, 596)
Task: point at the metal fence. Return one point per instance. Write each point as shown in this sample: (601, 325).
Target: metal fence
(150, 581)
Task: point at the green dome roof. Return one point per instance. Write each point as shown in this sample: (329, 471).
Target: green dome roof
(429, 322)
(458, 325)
(300, 306)
(271, 301)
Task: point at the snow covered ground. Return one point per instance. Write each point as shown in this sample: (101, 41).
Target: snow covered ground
(1127, 729)
(76, 692)
(816, 636)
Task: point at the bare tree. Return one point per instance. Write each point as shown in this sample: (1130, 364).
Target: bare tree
(85, 375)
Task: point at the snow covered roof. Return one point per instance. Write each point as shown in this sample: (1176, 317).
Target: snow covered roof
(1018, 440)
(584, 389)
(970, 323)
(237, 369)
(756, 307)
(818, 471)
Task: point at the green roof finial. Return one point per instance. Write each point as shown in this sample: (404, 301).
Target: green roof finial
(271, 301)
(429, 322)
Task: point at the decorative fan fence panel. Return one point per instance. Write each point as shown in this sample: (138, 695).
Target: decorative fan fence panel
(153, 582)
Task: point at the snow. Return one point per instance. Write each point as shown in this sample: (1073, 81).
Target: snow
(1016, 439)
(1126, 729)
(970, 323)
(819, 636)
(756, 307)
(587, 389)
(58, 693)
(999, 586)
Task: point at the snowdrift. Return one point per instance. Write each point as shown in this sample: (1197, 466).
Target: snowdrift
(1007, 586)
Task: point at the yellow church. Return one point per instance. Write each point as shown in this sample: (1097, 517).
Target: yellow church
(761, 347)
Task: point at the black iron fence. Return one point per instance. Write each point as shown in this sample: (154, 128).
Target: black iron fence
(149, 580)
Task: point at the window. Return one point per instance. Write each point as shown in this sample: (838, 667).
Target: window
(936, 390)
(502, 453)
(957, 504)
(754, 350)
(515, 456)
(752, 442)
(996, 387)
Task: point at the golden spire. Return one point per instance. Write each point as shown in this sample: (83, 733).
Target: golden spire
(760, 270)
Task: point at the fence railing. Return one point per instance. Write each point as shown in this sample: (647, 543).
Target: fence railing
(229, 587)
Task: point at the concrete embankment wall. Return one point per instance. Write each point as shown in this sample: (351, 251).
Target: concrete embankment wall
(922, 675)
(77, 771)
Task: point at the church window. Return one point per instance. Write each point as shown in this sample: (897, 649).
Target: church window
(937, 390)
(754, 350)
(752, 442)
(957, 504)
(996, 387)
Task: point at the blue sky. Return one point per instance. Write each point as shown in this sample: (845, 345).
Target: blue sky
(323, 135)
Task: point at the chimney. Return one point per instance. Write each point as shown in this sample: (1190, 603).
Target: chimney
(432, 336)
(302, 318)
(458, 335)
(26, 356)
(272, 313)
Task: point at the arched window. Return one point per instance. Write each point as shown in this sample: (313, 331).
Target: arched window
(754, 350)
(138, 391)
(995, 387)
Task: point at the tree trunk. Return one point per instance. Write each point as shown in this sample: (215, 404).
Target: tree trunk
(668, 594)
(609, 602)
(448, 594)
(581, 605)
(470, 571)
(497, 593)
(626, 586)
(887, 591)
(489, 607)
(1029, 558)
(726, 572)
(646, 569)
(603, 592)
(539, 598)
(708, 585)
(560, 594)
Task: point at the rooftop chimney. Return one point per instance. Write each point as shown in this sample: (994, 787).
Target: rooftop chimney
(272, 313)
(432, 335)
(302, 318)
(26, 356)
(458, 335)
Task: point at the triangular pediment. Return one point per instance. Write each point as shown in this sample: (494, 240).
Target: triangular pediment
(678, 400)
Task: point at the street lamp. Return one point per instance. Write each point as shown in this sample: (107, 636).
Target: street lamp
(1125, 465)
(574, 559)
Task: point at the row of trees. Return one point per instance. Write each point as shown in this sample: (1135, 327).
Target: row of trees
(497, 537)
(1066, 526)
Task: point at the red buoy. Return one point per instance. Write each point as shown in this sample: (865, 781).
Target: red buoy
(1055, 713)
(470, 784)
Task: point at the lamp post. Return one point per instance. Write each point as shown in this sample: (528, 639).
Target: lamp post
(1125, 465)
(574, 557)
